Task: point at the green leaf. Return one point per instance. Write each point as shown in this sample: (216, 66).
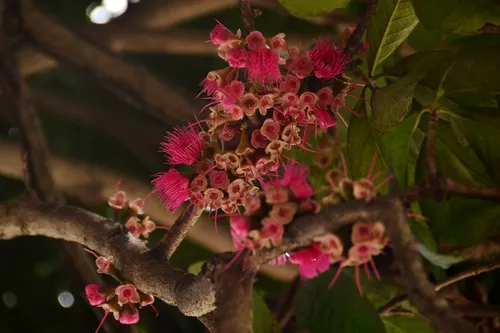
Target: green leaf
(307, 8)
(263, 318)
(362, 146)
(475, 69)
(392, 24)
(400, 324)
(340, 309)
(391, 103)
(459, 221)
(457, 17)
(395, 147)
(196, 267)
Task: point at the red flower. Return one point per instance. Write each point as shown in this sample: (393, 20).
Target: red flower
(237, 57)
(327, 60)
(263, 66)
(311, 261)
(325, 120)
(129, 315)
(183, 146)
(94, 295)
(218, 179)
(172, 188)
(127, 293)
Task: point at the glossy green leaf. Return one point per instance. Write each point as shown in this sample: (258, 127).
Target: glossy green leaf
(307, 8)
(263, 318)
(393, 102)
(457, 17)
(340, 309)
(395, 147)
(401, 324)
(393, 23)
(362, 146)
(475, 70)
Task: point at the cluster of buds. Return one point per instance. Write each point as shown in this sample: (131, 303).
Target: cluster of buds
(123, 301)
(262, 103)
(132, 213)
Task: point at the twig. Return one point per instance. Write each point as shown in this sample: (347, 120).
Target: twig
(247, 16)
(431, 146)
(354, 40)
(161, 101)
(178, 231)
(396, 302)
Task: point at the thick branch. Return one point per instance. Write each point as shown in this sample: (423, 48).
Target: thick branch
(162, 102)
(420, 291)
(247, 15)
(396, 302)
(194, 296)
(92, 186)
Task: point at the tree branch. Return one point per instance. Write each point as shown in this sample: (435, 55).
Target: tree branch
(92, 186)
(354, 40)
(247, 16)
(178, 231)
(194, 296)
(386, 310)
(160, 100)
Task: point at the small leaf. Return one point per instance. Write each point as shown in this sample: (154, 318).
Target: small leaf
(196, 267)
(307, 8)
(401, 324)
(263, 319)
(395, 147)
(340, 309)
(392, 24)
(361, 146)
(457, 17)
(391, 103)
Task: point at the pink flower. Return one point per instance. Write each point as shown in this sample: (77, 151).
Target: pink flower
(249, 103)
(236, 189)
(263, 66)
(103, 264)
(239, 225)
(237, 57)
(291, 84)
(295, 177)
(137, 206)
(255, 40)
(270, 129)
(148, 227)
(94, 295)
(276, 195)
(362, 188)
(266, 103)
(129, 315)
(182, 146)
(324, 118)
(278, 43)
(308, 98)
(258, 140)
(213, 197)
(236, 112)
(127, 293)
(199, 183)
(311, 261)
(172, 188)
(119, 199)
(218, 179)
(273, 231)
(284, 213)
(220, 34)
(134, 227)
(251, 204)
(328, 61)
(299, 63)
(209, 86)
(325, 96)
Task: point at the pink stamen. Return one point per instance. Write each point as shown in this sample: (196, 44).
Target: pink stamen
(206, 106)
(367, 270)
(351, 110)
(379, 186)
(375, 270)
(358, 282)
(342, 118)
(377, 175)
(102, 321)
(344, 165)
(156, 311)
(335, 278)
(91, 252)
(372, 165)
(162, 227)
(237, 255)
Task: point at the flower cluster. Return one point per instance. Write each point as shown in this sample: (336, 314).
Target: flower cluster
(137, 223)
(269, 211)
(123, 301)
(261, 105)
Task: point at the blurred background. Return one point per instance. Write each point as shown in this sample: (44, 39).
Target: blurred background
(98, 134)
